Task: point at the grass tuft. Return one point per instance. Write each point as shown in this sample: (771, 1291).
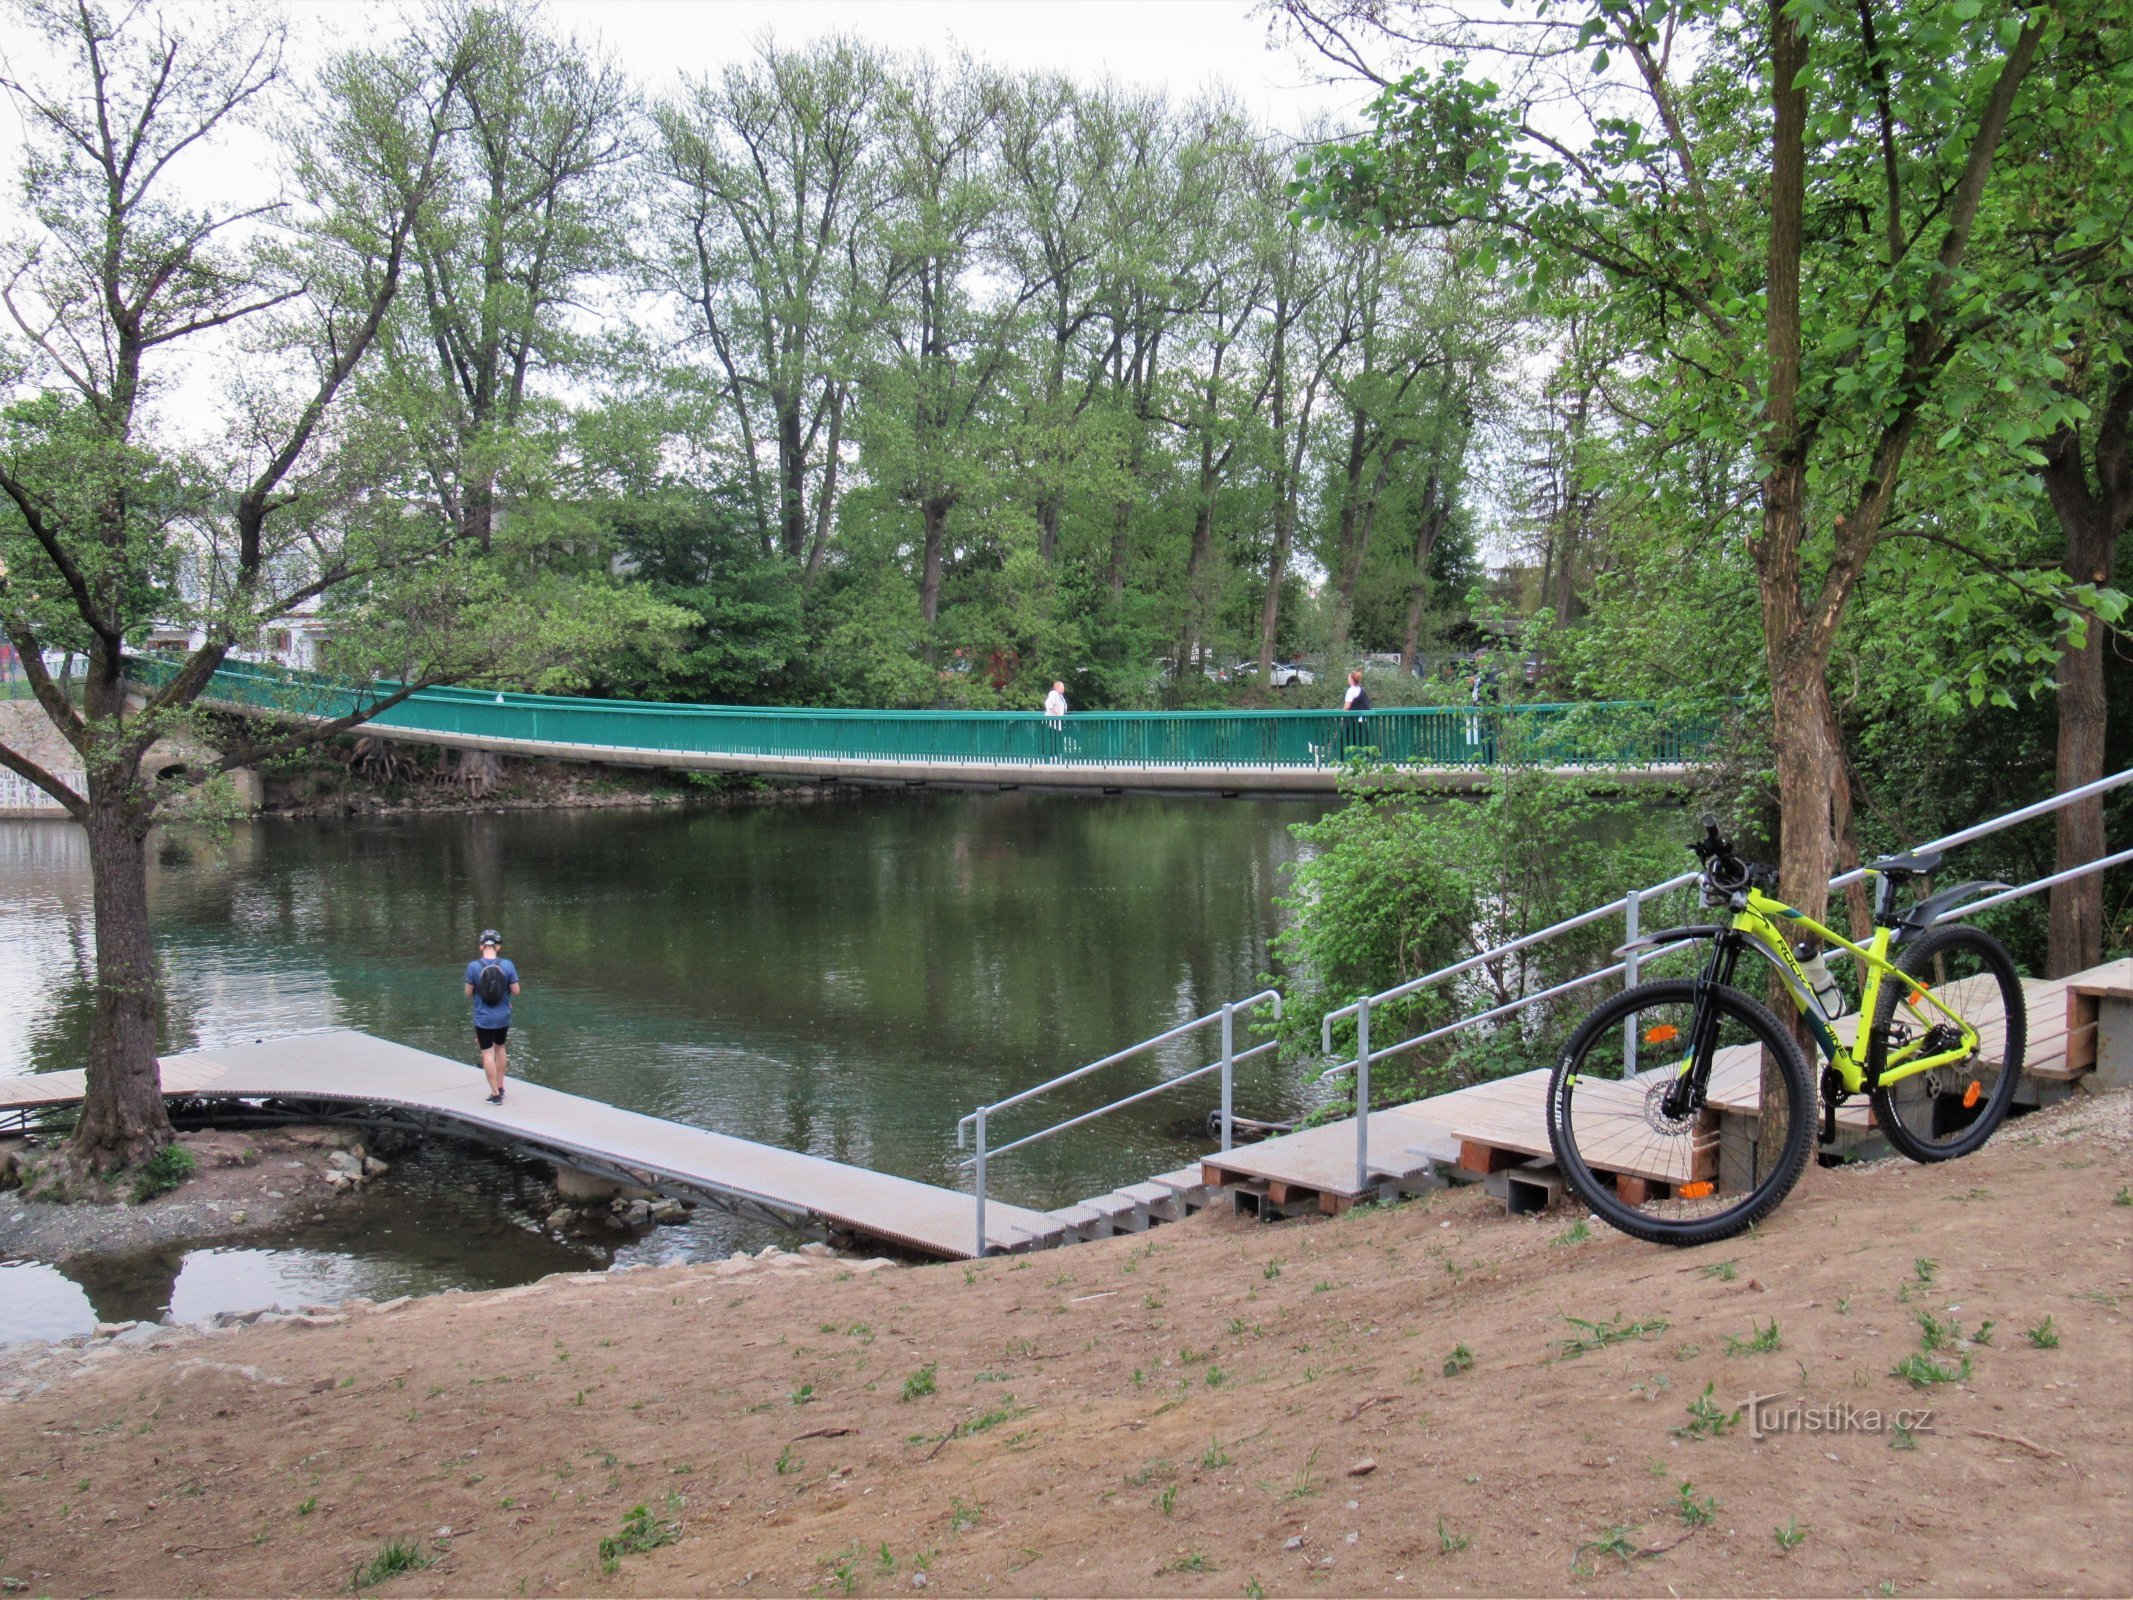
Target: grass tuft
(398, 1556)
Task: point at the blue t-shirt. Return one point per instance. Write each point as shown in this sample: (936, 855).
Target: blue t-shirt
(496, 1016)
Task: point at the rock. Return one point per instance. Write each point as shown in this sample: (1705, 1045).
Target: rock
(815, 1247)
(374, 1168)
(1363, 1468)
(273, 1194)
(341, 1161)
(918, 1580)
(636, 1212)
(111, 1330)
(1293, 1542)
(303, 1320)
(240, 1216)
(337, 1180)
(769, 1252)
(561, 1218)
(874, 1264)
(139, 1336)
(669, 1211)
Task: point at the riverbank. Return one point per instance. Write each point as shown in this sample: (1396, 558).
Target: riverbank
(1428, 1398)
(242, 1185)
(357, 776)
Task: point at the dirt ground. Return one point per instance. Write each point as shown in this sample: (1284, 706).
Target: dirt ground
(1217, 1407)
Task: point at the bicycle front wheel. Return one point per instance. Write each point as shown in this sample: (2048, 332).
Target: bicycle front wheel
(1636, 1122)
(1951, 1110)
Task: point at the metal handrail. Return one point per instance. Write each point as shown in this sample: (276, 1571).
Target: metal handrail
(1629, 908)
(1226, 1065)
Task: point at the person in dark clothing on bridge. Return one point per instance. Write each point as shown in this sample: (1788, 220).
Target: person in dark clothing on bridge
(491, 981)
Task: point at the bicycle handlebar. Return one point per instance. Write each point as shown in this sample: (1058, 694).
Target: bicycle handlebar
(1723, 870)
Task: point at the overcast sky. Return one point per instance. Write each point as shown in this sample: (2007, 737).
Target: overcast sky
(1183, 46)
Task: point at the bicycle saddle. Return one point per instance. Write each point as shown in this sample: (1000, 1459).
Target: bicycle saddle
(1911, 864)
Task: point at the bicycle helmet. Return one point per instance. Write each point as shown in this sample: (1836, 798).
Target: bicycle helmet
(491, 936)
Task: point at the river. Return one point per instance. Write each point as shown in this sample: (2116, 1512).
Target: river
(845, 978)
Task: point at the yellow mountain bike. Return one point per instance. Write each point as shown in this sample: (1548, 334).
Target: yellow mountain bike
(1656, 1111)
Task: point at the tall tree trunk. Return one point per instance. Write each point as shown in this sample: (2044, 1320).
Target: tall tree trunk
(792, 469)
(1047, 526)
(123, 1118)
(1277, 568)
(1197, 576)
(2091, 519)
(1802, 718)
(1427, 527)
(933, 513)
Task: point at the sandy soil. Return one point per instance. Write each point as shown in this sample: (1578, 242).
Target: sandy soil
(1218, 1407)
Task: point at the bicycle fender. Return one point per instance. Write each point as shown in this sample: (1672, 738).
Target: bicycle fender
(1935, 906)
(1700, 930)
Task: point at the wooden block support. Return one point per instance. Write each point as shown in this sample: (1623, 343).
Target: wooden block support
(1638, 1191)
(1475, 1156)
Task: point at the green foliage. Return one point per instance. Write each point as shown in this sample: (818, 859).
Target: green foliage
(695, 553)
(397, 1556)
(641, 1531)
(162, 1172)
(1397, 884)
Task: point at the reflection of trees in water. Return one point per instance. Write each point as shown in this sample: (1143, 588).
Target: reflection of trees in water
(845, 977)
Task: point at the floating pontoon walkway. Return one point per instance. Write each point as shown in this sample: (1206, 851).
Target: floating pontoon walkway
(340, 1072)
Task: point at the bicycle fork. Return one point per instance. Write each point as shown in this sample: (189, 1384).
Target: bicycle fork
(1685, 1095)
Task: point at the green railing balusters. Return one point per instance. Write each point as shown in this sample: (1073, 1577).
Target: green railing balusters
(1603, 734)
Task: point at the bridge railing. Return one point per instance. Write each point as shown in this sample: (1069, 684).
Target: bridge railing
(1629, 908)
(1602, 734)
(979, 1121)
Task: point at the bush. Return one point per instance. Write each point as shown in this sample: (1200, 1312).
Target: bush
(1401, 882)
(162, 1172)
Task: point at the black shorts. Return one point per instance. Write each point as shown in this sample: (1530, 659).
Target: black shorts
(489, 1038)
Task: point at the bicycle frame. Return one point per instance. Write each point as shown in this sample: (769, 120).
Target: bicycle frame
(1760, 921)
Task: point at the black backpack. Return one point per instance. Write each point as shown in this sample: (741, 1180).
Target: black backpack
(1362, 701)
(490, 983)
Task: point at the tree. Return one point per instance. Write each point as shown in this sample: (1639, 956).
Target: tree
(528, 195)
(944, 348)
(1813, 330)
(120, 516)
(119, 278)
(771, 189)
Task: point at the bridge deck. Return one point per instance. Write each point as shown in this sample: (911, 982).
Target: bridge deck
(354, 1068)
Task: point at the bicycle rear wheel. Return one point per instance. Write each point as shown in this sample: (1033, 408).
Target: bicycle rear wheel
(1950, 1111)
(1646, 1157)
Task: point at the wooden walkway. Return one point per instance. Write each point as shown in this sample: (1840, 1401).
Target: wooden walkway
(344, 1067)
(1488, 1127)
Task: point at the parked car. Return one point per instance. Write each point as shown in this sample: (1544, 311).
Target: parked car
(1287, 673)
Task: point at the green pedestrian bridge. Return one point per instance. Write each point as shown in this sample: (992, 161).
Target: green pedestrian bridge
(1227, 752)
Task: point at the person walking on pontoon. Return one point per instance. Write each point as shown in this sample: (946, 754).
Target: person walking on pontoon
(491, 981)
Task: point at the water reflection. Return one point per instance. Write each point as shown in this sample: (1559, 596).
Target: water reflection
(844, 978)
(41, 1302)
(448, 1216)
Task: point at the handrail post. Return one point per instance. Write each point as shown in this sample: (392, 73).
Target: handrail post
(980, 1254)
(1632, 915)
(1362, 1094)
(1229, 1063)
